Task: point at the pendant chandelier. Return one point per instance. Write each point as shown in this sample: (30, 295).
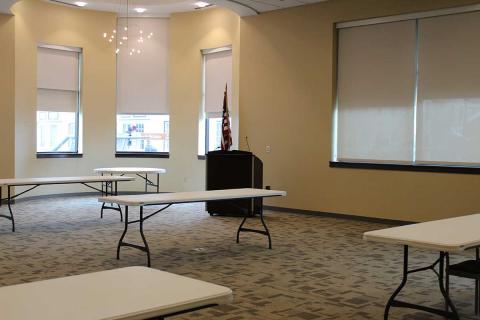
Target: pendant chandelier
(128, 36)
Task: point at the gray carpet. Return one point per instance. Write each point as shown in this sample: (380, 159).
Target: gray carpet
(319, 268)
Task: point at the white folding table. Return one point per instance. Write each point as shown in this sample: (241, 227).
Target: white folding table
(138, 171)
(111, 182)
(168, 199)
(445, 236)
(130, 293)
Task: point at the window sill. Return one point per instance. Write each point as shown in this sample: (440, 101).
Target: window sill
(44, 155)
(142, 155)
(406, 167)
(201, 157)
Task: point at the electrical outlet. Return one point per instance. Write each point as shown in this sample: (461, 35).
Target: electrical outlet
(268, 149)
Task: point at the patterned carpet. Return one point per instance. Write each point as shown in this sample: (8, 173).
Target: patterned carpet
(319, 268)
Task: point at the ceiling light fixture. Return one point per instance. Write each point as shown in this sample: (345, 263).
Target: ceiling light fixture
(201, 4)
(80, 3)
(127, 32)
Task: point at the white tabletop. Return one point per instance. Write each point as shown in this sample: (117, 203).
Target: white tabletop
(60, 180)
(126, 293)
(195, 196)
(449, 235)
(131, 170)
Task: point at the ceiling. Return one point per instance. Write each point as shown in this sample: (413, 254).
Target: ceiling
(163, 8)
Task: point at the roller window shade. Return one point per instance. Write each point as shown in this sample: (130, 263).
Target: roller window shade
(376, 89)
(57, 100)
(218, 73)
(142, 78)
(448, 119)
(57, 69)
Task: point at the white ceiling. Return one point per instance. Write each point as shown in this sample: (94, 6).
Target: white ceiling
(163, 8)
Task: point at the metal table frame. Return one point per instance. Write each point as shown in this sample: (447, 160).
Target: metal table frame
(148, 182)
(145, 248)
(111, 188)
(443, 262)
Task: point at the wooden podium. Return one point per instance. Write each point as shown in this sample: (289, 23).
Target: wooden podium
(230, 170)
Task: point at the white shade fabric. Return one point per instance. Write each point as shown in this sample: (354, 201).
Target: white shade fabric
(57, 69)
(448, 129)
(218, 73)
(376, 89)
(142, 78)
(57, 100)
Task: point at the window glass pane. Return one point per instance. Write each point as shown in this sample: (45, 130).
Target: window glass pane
(143, 133)
(214, 134)
(214, 138)
(56, 131)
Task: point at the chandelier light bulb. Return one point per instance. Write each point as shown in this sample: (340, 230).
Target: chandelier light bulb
(138, 51)
(201, 4)
(110, 40)
(117, 51)
(125, 28)
(104, 34)
(120, 43)
(141, 31)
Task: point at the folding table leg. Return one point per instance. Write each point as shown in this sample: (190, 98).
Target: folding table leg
(264, 232)
(143, 248)
(443, 271)
(9, 201)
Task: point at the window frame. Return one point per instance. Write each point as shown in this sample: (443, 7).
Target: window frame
(78, 153)
(204, 116)
(417, 166)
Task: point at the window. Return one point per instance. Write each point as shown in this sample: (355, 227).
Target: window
(58, 99)
(142, 133)
(407, 92)
(142, 102)
(217, 74)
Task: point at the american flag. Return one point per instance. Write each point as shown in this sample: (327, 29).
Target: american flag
(226, 132)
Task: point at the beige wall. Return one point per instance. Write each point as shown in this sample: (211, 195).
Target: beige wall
(37, 21)
(286, 102)
(190, 33)
(7, 96)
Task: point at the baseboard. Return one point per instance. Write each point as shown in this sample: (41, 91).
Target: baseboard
(339, 216)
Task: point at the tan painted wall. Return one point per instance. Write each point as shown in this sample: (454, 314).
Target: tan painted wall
(7, 96)
(37, 21)
(190, 33)
(286, 101)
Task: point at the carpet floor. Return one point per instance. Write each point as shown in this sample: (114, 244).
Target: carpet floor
(319, 267)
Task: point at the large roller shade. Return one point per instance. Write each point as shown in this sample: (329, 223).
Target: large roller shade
(449, 89)
(57, 69)
(57, 78)
(376, 86)
(142, 77)
(218, 73)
